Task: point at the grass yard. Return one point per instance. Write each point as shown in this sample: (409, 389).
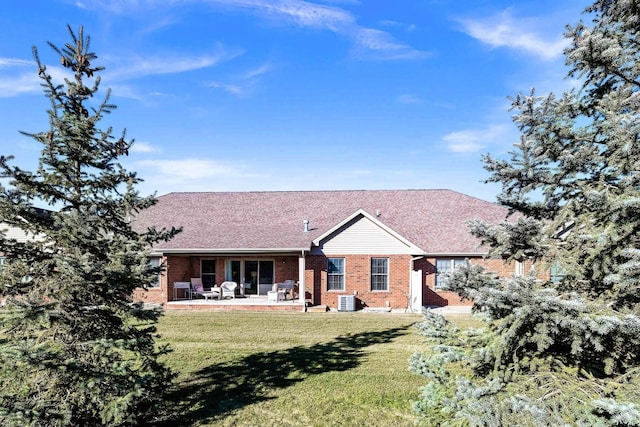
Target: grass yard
(291, 369)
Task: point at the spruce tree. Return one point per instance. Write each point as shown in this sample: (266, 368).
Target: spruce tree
(565, 351)
(74, 349)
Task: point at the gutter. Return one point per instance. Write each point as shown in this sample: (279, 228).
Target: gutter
(455, 254)
(227, 250)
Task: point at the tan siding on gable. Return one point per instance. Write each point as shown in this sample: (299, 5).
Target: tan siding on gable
(12, 232)
(362, 236)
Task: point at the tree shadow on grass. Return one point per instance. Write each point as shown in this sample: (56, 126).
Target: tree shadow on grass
(220, 388)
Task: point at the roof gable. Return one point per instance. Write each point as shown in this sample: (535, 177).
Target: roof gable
(362, 233)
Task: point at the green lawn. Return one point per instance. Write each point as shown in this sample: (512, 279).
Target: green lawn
(291, 369)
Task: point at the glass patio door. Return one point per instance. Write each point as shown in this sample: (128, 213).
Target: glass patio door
(208, 273)
(233, 272)
(258, 277)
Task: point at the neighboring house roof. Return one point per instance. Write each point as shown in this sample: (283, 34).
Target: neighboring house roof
(433, 220)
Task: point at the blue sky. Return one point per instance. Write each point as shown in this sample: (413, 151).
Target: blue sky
(258, 95)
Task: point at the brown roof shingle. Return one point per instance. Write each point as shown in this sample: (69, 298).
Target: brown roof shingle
(434, 220)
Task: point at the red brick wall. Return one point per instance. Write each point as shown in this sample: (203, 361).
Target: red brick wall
(157, 295)
(183, 268)
(151, 295)
(179, 269)
(286, 268)
(437, 297)
(358, 281)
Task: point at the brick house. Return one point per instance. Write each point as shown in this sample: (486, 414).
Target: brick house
(385, 248)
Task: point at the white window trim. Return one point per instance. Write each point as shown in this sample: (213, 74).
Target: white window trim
(154, 261)
(342, 274)
(386, 275)
(453, 265)
(519, 268)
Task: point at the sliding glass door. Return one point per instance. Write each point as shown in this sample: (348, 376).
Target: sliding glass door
(251, 277)
(258, 277)
(208, 273)
(234, 272)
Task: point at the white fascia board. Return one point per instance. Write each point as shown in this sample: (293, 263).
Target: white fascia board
(411, 245)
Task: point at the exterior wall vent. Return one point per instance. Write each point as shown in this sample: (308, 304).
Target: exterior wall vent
(346, 303)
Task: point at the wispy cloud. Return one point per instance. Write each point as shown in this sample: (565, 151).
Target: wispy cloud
(229, 88)
(473, 140)
(189, 169)
(114, 6)
(408, 98)
(396, 24)
(22, 81)
(190, 174)
(503, 30)
(135, 66)
(258, 71)
(127, 91)
(11, 86)
(297, 12)
(243, 83)
(144, 147)
(377, 44)
(15, 81)
(13, 62)
(370, 43)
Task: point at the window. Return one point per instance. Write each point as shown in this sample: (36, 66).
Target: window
(208, 273)
(379, 274)
(445, 265)
(558, 273)
(519, 268)
(335, 274)
(154, 262)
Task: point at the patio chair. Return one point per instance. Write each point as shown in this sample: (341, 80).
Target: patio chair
(228, 289)
(288, 286)
(198, 289)
(295, 292)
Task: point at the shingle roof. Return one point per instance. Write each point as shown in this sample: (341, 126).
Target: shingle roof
(434, 220)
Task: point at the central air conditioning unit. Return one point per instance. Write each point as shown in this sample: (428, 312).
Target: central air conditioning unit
(346, 303)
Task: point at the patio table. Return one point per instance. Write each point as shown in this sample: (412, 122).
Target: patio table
(186, 290)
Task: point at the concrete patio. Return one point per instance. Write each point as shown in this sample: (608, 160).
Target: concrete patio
(249, 303)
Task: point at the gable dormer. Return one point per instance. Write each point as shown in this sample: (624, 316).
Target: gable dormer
(363, 233)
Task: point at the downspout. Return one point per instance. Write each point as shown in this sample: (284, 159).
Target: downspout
(413, 260)
(301, 284)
